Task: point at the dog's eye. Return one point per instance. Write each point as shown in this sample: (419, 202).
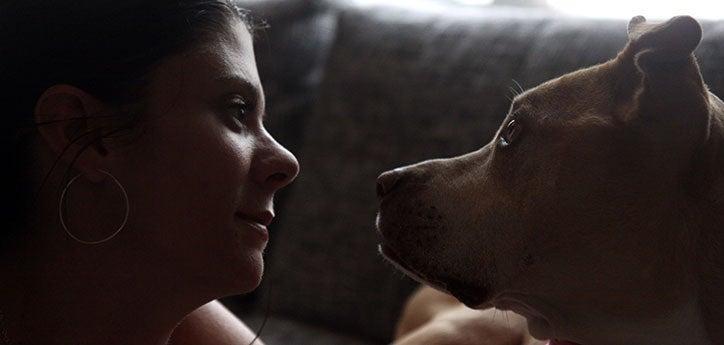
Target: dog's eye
(510, 133)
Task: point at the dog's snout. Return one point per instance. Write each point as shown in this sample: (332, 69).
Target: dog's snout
(386, 182)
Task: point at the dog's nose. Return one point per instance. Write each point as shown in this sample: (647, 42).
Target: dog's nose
(386, 182)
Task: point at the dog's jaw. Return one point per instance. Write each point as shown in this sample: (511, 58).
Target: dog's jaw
(391, 256)
(471, 294)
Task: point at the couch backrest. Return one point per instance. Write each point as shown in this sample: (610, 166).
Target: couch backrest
(400, 86)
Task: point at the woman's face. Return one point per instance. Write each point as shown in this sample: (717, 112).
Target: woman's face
(201, 176)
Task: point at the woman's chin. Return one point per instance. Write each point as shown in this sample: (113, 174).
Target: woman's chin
(239, 271)
(249, 272)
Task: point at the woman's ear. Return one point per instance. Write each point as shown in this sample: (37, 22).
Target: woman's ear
(70, 123)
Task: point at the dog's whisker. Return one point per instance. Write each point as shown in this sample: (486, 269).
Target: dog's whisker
(519, 87)
(509, 97)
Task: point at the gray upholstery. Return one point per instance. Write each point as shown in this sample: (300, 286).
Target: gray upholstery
(710, 54)
(397, 86)
(291, 44)
(566, 45)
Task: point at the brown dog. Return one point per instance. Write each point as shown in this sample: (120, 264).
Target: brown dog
(597, 210)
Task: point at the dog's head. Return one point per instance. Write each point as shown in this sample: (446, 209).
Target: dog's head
(571, 206)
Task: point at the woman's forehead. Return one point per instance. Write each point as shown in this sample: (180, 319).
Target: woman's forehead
(222, 57)
(228, 53)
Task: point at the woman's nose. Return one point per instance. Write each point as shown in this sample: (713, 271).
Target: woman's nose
(275, 166)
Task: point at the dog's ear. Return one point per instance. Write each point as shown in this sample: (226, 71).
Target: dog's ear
(671, 41)
(660, 56)
(658, 64)
(659, 73)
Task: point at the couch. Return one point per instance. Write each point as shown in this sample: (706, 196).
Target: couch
(354, 90)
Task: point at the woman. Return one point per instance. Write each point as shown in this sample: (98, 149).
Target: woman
(139, 177)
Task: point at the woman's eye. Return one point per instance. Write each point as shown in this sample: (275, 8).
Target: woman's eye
(239, 109)
(510, 133)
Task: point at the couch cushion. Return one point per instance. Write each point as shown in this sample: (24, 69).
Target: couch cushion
(567, 45)
(291, 43)
(710, 54)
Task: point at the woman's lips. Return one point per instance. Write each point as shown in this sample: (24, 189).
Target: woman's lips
(264, 217)
(256, 227)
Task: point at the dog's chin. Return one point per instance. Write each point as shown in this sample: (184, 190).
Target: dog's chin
(390, 255)
(468, 295)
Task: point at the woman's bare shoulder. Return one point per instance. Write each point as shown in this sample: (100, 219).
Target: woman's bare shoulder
(212, 324)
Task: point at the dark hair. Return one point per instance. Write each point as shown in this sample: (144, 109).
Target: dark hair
(104, 47)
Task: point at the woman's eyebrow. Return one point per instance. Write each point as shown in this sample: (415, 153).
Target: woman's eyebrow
(238, 81)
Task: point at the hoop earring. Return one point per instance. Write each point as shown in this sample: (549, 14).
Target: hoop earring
(62, 220)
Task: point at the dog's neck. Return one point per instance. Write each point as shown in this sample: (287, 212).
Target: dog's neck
(699, 317)
(706, 217)
(683, 325)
